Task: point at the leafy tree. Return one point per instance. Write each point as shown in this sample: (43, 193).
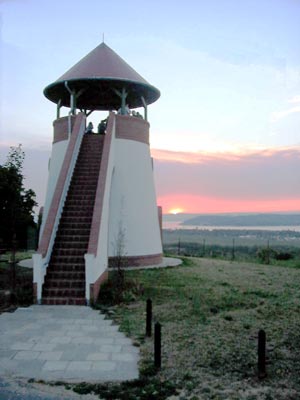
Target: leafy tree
(265, 254)
(16, 203)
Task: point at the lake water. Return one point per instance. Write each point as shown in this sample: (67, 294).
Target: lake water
(177, 225)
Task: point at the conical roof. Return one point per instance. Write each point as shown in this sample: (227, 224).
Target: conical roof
(96, 78)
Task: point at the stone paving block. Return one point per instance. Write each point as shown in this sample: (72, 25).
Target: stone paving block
(73, 355)
(98, 356)
(28, 368)
(50, 355)
(7, 354)
(79, 365)
(61, 340)
(125, 341)
(26, 355)
(89, 328)
(103, 340)
(22, 346)
(57, 333)
(126, 371)
(8, 365)
(107, 348)
(75, 333)
(124, 357)
(39, 339)
(104, 365)
(55, 365)
(77, 348)
(80, 321)
(82, 340)
(44, 347)
(31, 326)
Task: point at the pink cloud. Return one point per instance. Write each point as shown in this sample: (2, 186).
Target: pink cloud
(262, 180)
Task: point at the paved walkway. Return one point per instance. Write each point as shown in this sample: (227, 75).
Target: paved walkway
(167, 262)
(68, 343)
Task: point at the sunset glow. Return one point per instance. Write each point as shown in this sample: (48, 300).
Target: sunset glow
(264, 180)
(176, 211)
(201, 204)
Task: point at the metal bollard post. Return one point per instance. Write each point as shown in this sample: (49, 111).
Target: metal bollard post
(157, 345)
(148, 318)
(261, 364)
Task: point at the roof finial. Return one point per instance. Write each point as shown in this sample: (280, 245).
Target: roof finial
(103, 37)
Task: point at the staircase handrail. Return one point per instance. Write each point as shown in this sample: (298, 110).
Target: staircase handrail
(63, 197)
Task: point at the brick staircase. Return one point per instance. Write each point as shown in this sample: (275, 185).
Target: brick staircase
(65, 278)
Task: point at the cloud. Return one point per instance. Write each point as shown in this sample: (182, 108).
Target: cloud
(295, 99)
(205, 204)
(269, 175)
(282, 114)
(277, 115)
(238, 154)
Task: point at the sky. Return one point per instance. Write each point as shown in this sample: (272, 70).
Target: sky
(225, 133)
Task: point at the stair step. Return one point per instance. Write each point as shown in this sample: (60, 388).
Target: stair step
(76, 213)
(62, 292)
(72, 275)
(64, 301)
(58, 259)
(64, 284)
(73, 237)
(69, 268)
(68, 252)
(87, 198)
(74, 207)
(75, 200)
(78, 219)
(59, 244)
(76, 226)
(86, 187)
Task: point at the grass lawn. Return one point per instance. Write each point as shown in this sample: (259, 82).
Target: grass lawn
(211, 312)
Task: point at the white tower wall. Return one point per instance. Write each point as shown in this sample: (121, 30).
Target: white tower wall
(133, 211)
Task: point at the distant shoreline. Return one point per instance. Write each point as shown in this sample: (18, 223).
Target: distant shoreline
(176, 225)
(242, 221)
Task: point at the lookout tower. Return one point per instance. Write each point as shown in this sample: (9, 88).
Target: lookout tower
(100, 205)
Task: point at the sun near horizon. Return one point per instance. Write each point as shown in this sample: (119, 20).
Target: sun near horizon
(175, 211)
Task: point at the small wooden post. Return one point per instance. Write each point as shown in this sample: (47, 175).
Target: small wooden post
(233, 250)
(157, 345)
(148, 318)
(261, 354)
(179, 247)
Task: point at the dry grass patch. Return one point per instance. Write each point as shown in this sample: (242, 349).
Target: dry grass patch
(211, 311)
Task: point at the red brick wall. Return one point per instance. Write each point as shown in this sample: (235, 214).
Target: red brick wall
(96, 286)
(34, 293)
(61, 127)
(132, 128)
(136, 261)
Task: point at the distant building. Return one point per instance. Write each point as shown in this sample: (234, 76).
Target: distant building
(100, 204)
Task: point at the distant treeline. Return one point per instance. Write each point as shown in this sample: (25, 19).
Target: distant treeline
(238, 244)
(245, 220)
(234, 252)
